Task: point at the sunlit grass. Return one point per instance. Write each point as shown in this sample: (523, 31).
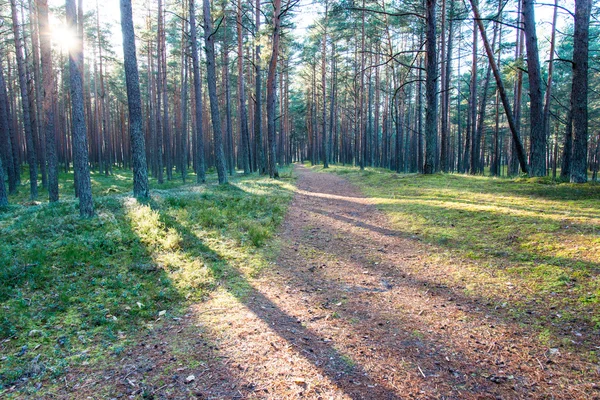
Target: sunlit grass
(79, 291)
(518, 243)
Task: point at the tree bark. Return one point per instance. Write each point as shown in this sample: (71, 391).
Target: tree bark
(6, 135)
(200, 167)
(138, 146)
(272, 88)
(430, 90)
(47, 102)
(548, 96)
(29, 138)
(445, 131)
(537, 149)
(500, 85)
(324, 88)
(80, 145)
(579, 102)
(258, 136)
(211, 77)
(244, 135)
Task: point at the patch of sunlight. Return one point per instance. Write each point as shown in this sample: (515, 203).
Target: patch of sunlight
(146, 223)
(242, 335)
(469, 206)
(358, 200)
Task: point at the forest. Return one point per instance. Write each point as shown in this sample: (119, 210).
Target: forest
(299, 199)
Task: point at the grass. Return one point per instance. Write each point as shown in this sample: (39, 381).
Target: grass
(80, 291)
(528, 246)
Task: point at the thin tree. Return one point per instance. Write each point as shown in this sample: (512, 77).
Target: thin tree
(548, 95)
(47, 102)
(324, 88)
(272, 87)
(200, 168)
(258, 136)
(80, 145)
(211, 77)
(3, 195)
(500, 85)
(29, 138)
(138, 145)
(244, 135)
(6, 135)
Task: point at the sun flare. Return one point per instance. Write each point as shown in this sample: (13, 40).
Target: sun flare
(63, 37)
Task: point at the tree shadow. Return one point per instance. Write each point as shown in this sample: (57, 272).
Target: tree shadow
(317, 350)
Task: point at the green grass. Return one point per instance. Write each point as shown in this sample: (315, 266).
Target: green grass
(520, 244)
(79, 291)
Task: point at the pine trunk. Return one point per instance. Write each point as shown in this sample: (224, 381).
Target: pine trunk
(211, 77)
(80, 145)
(579, 103)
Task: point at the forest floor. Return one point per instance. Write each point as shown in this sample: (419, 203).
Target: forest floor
(383, 297)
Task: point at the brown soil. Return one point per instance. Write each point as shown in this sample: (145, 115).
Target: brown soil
(351, 310)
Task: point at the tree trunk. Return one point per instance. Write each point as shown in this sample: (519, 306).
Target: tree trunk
(31, 156)
(211, 77)
(324, 88)
(184, 102)
(579, 103)
(258, 136)
(80, 145)
(445, 131)
(537, 148)
(548, 96)
(431, 91)
(47, 96)
(500, 85)
(200, 167)
(476, 164)
(3, 195)
(35, 89)
(165, 100)
(244, 135)
(271, 89)
(138, 147)
(7, 146)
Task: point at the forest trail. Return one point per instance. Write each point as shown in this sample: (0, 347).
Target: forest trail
(343, 315)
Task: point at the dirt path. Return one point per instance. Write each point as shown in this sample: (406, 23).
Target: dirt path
(344, 315)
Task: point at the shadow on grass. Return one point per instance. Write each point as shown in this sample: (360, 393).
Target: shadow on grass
(313, 348)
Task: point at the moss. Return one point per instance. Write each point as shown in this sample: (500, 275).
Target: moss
(73, 286)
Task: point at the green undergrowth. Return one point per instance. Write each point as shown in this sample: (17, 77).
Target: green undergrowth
(79, 291)
(524, 245)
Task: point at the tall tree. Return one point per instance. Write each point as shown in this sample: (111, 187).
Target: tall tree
(7, 147)
(200, 168)
(211, 77)
(500, 85)
(243, 113)
(25, 104)
(258, 136)
(272, 87)
(579, 101)
(136, 135)
(324, 88)
(537, 137)
(80, 145)
(47, 100)
(431, 76)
